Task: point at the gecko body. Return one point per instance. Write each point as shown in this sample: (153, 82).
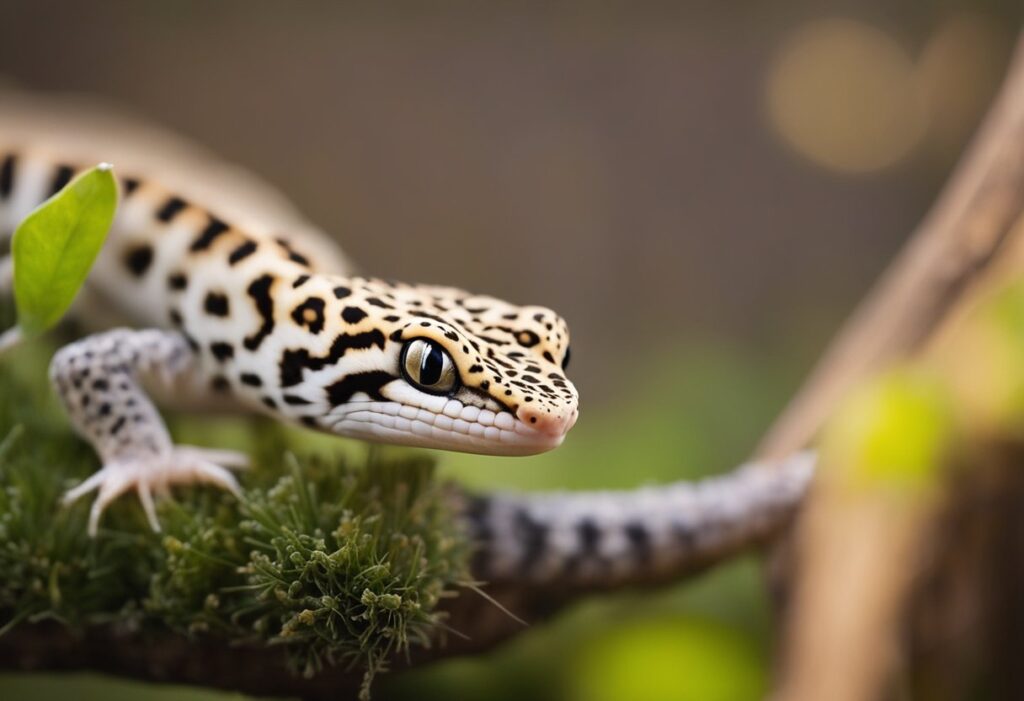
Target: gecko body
(212, 290)
(253, 319)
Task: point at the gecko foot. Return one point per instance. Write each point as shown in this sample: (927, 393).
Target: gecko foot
(147, 475)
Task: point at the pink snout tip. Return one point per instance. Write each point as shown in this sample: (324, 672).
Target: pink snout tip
(550, 423)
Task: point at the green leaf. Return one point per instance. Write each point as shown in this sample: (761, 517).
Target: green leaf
(55, 246)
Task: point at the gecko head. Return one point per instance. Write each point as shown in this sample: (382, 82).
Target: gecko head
(444, 369)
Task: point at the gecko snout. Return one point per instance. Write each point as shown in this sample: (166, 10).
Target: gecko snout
(549, 422)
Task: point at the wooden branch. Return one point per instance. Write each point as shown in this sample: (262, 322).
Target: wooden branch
(158, 655)
(941, 269)
(892, 594)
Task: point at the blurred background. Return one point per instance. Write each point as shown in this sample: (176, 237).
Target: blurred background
(704, 190)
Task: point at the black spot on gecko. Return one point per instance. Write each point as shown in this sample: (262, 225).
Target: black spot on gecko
(118, 425)
(369, 383)
(293, 255)
(216, 304)
(61, 177)
(310, 314)
(589, 535)
(175, 317)
(209, 234)
(352, 315)
(534, 537)
(171, 208)
(259, 290)
(220, 384)
(639, 539)
(222, 351)
(300, 281)
(177, 281)
(250, 379)
(377, 302)
(269, 402)
(138, 259)
(7, 168)
(129, 185)
(294, 361)
(527, 338)
(242, 252)
(428, 315)
(295, 400)
(341, 292)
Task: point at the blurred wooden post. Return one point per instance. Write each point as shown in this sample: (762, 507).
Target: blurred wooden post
(927, 599)
(959, 240)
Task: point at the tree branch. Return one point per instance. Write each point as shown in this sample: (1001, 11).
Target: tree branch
(943, 268)
(724, 530)
(895, 592)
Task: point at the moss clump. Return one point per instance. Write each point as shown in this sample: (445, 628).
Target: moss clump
(336, 563)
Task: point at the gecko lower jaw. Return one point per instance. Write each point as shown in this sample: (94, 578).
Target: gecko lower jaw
(472, 431)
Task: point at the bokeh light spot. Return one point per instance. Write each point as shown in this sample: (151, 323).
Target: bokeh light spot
(678, 659)
(844, 94)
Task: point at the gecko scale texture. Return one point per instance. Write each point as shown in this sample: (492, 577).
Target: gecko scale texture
(238, 303)
(262, 324)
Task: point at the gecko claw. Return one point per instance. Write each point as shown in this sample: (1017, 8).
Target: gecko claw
(184, 465)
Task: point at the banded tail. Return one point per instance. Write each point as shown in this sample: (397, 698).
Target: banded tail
(606, 538)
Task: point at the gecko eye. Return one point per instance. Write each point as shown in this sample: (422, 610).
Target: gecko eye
(565, 359)
(427, 366)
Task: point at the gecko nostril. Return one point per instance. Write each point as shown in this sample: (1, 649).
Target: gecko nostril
(545, 421)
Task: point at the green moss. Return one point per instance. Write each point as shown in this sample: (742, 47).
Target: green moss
(333, 561)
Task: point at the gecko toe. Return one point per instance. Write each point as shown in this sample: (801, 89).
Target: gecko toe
(230, 459)
(184, 465)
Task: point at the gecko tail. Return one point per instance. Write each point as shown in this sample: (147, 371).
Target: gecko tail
(594, 539)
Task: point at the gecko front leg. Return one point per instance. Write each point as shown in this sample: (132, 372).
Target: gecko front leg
(99, 381)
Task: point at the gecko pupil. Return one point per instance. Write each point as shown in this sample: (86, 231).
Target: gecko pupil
(431, 366)
(427, 366)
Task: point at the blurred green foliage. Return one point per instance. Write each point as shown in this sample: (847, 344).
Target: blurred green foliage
(892, 432)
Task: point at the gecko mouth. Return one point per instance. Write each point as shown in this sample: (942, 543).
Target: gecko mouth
(448, 425)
